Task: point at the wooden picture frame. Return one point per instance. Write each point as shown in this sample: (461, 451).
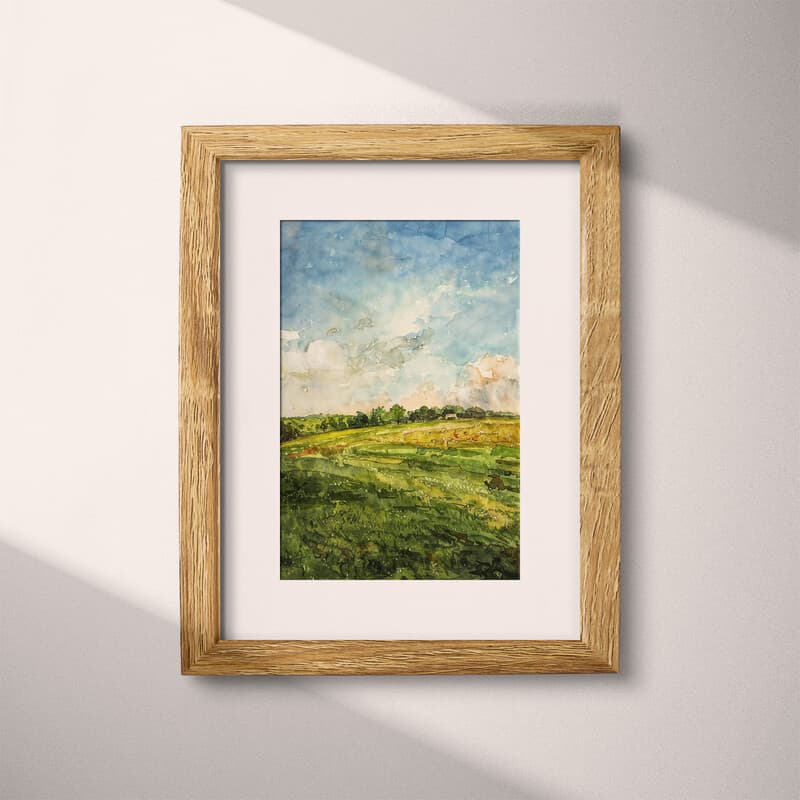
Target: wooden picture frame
(204, 149)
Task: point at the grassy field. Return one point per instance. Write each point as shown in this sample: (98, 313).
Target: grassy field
(422, 500)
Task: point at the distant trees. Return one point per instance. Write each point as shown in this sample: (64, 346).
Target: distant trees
(425, 414)
(418, 415)
(294, 427)
(377, 416)
(397, 413)
(334, 422)
(289, 430)
(360, 420)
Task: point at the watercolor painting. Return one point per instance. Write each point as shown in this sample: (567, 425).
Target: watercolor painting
(400, 419)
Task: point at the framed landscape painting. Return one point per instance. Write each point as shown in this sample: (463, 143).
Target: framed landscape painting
(400, 399)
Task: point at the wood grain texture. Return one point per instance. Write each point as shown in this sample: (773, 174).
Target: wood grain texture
(398, 142)
(600, 398)
(203, 150)
(199, 424)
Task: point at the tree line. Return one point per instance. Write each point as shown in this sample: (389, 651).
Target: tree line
(294, 427)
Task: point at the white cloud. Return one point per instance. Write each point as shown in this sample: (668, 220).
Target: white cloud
(385, 358)
(325, 356)
(409, 317)
(323, 379)
(491, 382)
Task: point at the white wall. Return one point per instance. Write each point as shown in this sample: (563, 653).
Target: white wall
(94, 93)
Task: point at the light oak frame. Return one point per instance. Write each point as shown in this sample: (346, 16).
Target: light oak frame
(203, 151)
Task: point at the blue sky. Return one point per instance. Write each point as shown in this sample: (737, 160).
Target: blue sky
(415, 312)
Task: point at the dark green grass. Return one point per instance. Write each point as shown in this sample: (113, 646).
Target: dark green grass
(385, 504)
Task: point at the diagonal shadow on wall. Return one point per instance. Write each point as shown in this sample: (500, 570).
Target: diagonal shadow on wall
(706, 93)
(100, 711)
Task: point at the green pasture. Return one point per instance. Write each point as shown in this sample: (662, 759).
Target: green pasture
(426, 500)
